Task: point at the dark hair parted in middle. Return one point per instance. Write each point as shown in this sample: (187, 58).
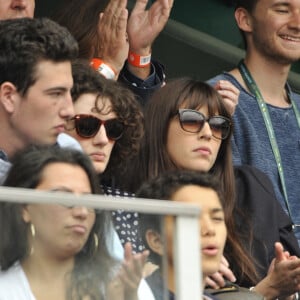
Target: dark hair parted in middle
(93, 267)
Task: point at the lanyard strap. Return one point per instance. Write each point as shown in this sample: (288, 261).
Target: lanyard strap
(252, 86)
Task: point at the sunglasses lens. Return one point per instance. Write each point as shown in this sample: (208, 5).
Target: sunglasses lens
(191, 121)
(114, 129)
(87, 126)
(220, 127)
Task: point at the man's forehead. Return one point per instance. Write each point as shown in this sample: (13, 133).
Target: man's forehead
(50, 74)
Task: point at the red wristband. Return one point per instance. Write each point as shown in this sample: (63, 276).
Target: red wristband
(106, 70)
(138, 60)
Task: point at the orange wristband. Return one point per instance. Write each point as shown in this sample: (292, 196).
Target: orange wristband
(138, 60)
(106, 70)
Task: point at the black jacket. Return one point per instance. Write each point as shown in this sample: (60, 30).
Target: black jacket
(256, 199)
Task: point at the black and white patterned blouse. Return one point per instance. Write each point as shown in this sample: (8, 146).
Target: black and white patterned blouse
(126, 223)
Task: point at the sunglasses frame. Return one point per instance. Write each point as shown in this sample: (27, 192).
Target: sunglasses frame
(181, 112)
(100, 123)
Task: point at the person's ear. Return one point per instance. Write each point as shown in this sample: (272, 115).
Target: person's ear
(25, 214)
(8, 96)
(154, 242)
(243, 19)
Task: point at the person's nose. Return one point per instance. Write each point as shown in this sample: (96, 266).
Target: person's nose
(205, 132)
(19, 4)
(101, 137)
(294, 22)
(207, 226)
(67, 107)
(80, 212)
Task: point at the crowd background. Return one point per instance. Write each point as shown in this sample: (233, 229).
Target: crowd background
(197, 28)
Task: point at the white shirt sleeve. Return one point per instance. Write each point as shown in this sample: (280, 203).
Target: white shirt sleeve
(66, 141)
(144, 291)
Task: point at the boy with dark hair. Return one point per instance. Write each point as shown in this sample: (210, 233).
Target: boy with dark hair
(187, 187)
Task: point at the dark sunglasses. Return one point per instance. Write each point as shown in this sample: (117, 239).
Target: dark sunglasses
(87, 126)
(193, 121)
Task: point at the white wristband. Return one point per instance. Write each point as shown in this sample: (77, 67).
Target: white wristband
(106, 71)
(103, 68)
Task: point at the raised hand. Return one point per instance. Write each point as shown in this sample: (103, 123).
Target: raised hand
(144, 25)
(229, 93)
(132, 270)
(112, 44)
(126, 283)
(283, 278)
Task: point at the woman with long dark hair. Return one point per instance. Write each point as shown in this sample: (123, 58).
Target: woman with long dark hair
(51, 251)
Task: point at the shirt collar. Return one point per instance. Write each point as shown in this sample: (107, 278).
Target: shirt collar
(3, 155)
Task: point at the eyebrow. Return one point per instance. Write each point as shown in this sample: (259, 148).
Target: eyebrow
(281, 3)
(61, 189)
(67, 190)
(216, 210)
(56, 89)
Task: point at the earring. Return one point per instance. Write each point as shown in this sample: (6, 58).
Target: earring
(96, 241)
(32, 231)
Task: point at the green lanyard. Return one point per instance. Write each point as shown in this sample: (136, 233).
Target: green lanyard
(251, 84)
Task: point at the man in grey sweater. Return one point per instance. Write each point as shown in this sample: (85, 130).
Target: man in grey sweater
(267, 119)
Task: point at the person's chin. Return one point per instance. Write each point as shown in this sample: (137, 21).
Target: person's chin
(211, 267)
(19, 15)
(75, 249)
(202, 166)
(46, 141)
(100, 166)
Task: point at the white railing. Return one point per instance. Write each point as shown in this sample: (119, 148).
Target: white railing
(186, 242)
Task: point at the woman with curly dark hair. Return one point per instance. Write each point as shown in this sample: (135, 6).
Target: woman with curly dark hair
(108, 124)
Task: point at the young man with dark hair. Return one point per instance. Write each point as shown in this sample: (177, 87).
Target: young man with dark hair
(35, 83)
(267, 118)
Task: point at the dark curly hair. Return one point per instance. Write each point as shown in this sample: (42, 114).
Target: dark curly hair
(124, 104)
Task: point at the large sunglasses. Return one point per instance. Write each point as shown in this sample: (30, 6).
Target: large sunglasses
(87, 126)
(193, 121)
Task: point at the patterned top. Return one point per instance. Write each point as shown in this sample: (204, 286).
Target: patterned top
(126, 222)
